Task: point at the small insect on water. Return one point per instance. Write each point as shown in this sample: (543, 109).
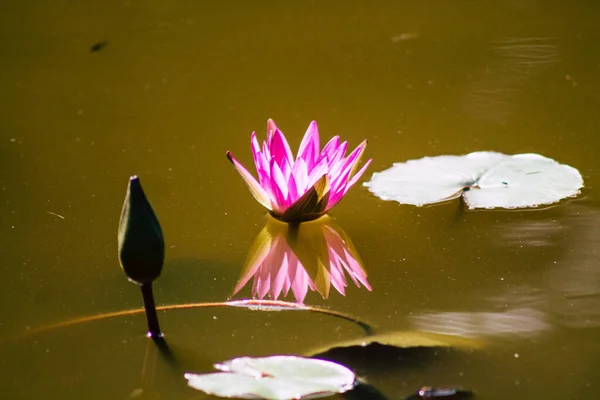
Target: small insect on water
(98, 46)
(427, 392)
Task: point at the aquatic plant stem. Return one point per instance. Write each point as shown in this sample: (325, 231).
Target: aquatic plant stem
(264, 305)
(150, 308)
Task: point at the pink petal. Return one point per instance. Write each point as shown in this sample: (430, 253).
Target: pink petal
(309, 147)
(265, 150)
(279, 187)
(280, 150)
(355, 155)
(292, 189)
(264, 171)
(300, 174)
(357, 176)
(257, 191)
(339, 192)
(340, 179)
(337, 160)
(317, 172)
(330, 147)
(260, 162)
(271, 126)
(255, 146)
(339, 182)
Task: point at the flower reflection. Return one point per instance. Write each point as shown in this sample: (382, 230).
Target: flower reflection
(296, 257)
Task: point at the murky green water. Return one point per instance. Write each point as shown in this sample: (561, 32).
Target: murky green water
(175, 85)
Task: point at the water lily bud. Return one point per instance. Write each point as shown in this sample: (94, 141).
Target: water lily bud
(140, 239)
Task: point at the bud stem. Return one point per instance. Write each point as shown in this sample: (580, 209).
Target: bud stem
(150, 308)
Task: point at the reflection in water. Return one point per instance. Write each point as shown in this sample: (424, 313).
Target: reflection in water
(516, 61)
(562, 287)
(522, 322)
(530, 234)
(569, 288)
(523, 55)
(315, 255)
(572, 282)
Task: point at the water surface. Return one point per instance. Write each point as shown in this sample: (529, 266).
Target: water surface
(93, 92)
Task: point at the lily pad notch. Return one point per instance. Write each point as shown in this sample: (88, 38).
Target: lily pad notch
(483, 179)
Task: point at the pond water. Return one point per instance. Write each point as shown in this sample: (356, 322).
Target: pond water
(93, 92)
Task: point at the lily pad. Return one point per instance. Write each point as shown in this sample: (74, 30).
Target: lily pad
(484, 180)
(277, 377)
(403, 340)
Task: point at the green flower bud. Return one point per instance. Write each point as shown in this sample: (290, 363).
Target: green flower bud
(140, 239)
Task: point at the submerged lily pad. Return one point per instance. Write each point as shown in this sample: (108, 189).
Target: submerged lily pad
(484, 179)
(402, 340)
(276, 377)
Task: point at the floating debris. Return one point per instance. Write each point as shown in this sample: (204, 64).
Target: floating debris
(427, 392)
(98, 46)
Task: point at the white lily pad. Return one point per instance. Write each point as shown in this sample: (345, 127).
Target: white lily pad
(277, 377)
(484, 179)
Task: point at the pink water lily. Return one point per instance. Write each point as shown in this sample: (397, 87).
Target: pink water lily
(302, 188)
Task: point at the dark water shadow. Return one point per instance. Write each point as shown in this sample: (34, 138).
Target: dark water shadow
(166, 353)
(378, 357)
(364, 391)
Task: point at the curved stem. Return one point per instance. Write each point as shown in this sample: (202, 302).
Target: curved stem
(262, 305)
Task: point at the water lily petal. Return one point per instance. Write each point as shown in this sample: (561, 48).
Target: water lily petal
(300, 173)
(257, 191)
(317, 172)
(271, 126)
(292, 189)
(309, 147)
(280, 150)
(340, 191)
(260, 162)
(357, 176)
(354, 157)
(337, 160)
(279, 186)
(265, 150)
(339, 182)
(330, 148)
(254, 145)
